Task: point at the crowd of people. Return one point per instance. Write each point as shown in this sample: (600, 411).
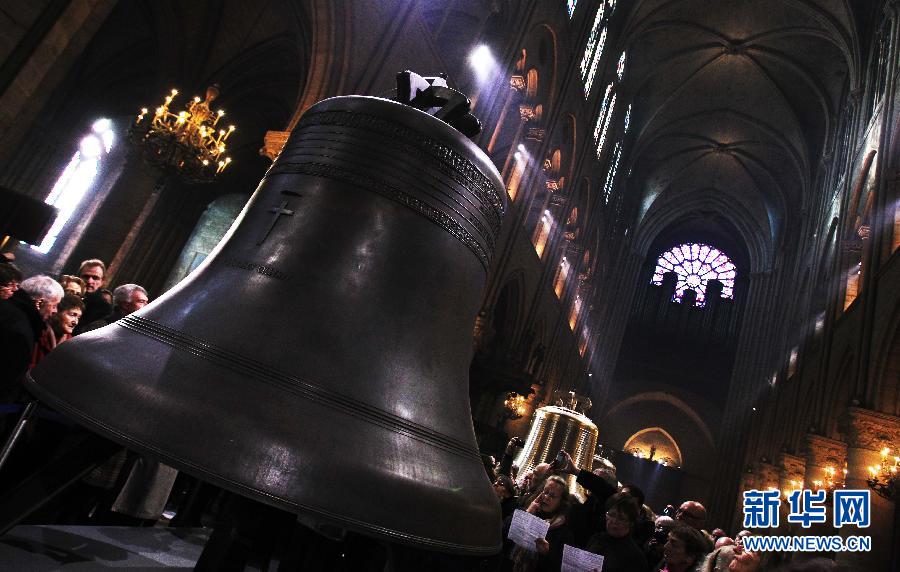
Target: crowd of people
(37, 314)
(613, 520)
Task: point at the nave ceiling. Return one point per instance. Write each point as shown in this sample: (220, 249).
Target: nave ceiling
(736, 105)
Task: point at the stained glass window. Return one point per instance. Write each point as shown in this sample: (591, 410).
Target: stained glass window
(696, 264)
(591, 43)
(77, 179)
(595, 63)
(614, 164)
(604, 105)
(611, 174)
(570, 6)
(620, 67)
(605, 117)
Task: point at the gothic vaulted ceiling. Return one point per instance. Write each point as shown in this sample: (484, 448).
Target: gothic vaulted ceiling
(735, 103)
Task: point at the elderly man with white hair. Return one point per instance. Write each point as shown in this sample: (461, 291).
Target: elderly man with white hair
(45, 293)
(23, 323)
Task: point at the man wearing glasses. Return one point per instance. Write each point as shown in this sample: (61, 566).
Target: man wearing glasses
(93, 272)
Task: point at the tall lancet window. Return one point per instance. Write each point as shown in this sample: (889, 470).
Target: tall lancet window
(608, 107)
(575, 312)
(570, 7)
(543, 233)
(602, 126)
(614, 164)
(620, 67)
(77, 178)
(696, 264)
(559, 284)
(593, 51)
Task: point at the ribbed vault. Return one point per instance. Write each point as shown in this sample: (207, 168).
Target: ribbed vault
(735, 104)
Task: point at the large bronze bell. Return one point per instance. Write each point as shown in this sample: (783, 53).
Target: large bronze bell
(561, 427)
(318, 359)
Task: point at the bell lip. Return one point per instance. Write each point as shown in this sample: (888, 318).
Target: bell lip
(186, 466)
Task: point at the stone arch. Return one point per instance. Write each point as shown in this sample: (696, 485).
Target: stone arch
(669, 399)
(542, 45)
(507, 312)
(755, 241)
(330, 35)
(666, 446)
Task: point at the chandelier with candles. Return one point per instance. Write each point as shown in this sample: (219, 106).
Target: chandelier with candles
(884, 478)
(515, 406)
(189, 142)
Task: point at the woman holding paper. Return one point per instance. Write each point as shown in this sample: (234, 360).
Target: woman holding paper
(551, 505)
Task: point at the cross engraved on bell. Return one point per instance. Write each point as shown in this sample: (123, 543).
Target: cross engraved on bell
(278, 211)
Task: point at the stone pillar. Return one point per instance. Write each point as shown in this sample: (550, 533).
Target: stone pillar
(868, 432)
(822, 453)
(792, 468)
(748, 378)
(749, 481)
(768, 476)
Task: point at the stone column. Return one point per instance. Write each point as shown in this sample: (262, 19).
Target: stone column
(868, 432)
(749, 481)
(821, 453)
(791, 470)
(747, 379)
(768, 476)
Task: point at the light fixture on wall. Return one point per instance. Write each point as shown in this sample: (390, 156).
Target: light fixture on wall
(515, 406)
(190, 143)
(796, 485)
(884, 478)
(830, 481)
